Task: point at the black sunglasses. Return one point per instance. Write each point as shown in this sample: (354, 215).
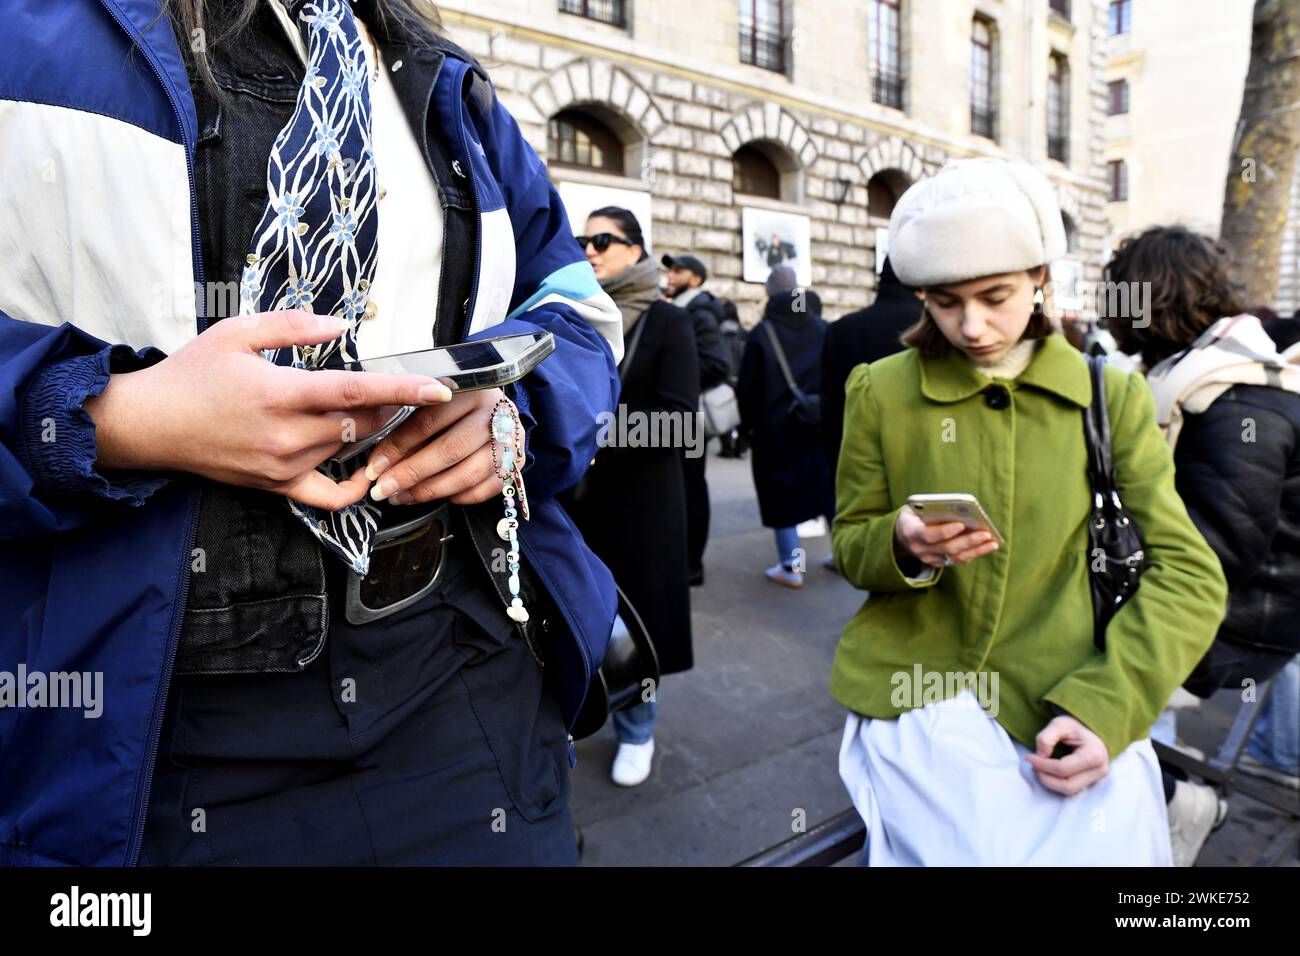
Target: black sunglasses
(601, 241)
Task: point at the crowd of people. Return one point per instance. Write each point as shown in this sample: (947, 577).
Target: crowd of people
(314, 660)
(959, 378)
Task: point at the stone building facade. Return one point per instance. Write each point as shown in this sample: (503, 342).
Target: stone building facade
(849, 101)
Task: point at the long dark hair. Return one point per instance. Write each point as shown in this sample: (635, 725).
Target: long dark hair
(1191, 289)
(191, 15)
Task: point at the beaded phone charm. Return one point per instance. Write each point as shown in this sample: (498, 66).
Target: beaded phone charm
(509, 467)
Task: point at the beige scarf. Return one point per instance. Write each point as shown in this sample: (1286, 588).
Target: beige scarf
(634, 290)
(1233, 351)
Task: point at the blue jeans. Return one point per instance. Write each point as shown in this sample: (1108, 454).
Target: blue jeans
(1275, 739)
(787, 540)
(636, 725)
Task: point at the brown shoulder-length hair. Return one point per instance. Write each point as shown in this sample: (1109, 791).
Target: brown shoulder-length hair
(1190, 289)
(926, 337)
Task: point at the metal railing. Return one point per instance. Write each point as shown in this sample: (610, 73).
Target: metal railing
(984, 122)
(604, 11)
(762, 48)
(887, 89)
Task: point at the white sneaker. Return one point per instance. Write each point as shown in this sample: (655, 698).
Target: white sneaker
(1257, 768)
(1195, 810)
(632, 763)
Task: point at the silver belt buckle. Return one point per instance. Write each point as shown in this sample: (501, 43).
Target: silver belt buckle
(356, 611)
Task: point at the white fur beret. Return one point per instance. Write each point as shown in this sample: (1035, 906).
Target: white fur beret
(975, 218)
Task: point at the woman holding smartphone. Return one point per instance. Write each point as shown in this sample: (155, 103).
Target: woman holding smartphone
(985, 727)
(300, 665)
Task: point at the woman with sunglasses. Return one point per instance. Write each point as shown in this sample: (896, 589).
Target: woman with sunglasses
(301, 665)
(631, 507)
(985, 726)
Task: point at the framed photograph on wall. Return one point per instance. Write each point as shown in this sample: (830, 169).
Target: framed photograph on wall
(770, 239)
(581, 198)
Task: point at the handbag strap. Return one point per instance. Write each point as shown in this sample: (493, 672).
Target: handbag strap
(780, 359)
(626, 364)
(1096, 429)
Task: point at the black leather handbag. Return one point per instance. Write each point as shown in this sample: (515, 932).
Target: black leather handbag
(1116, 558)
(630, 660)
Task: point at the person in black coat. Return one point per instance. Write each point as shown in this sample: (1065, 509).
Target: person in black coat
(1237, 461)
(860, 338)
(631, 506)
(791, 476)
(686, 277)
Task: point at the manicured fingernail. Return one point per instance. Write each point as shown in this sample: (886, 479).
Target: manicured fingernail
(405, 498)
(385, 489)
(333, 323)
(378, 465)
(434, 392)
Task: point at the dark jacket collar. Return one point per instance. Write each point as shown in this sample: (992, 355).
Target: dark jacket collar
(1057, 367)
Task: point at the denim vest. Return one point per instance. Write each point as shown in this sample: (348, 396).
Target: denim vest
(258, 599)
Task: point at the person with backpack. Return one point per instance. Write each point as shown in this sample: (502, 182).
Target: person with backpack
(1229, 406)
(686, 278)
(733, 338)
(996, 715)
(780, 378)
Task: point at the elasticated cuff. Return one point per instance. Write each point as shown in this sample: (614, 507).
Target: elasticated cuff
(58, 435)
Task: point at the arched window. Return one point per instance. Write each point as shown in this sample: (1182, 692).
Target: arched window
(883, 190)
(754, 173)
(575, 138)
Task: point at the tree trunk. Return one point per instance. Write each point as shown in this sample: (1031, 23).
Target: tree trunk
(1257, 196)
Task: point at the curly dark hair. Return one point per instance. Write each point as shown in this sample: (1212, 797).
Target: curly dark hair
(1190, 290)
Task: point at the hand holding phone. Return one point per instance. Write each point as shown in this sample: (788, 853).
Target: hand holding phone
(943, 530)
(466, 366)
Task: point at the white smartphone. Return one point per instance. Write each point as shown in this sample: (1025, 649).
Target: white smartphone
(486, 363)
(944, 509)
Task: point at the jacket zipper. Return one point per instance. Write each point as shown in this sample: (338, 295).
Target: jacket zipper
(473, 299)
(442, 197)
(140, 811)
(478, 211)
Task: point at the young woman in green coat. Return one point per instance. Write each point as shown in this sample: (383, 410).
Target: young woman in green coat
(984, 725)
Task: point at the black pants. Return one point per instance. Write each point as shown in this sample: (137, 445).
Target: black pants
(430, 737)
(697, 510)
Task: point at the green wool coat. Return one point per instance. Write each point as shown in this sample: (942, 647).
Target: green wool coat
(1021, 617)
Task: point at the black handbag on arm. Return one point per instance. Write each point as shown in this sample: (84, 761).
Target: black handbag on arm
(1116, 558)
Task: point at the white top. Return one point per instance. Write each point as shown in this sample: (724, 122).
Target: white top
(409, 264)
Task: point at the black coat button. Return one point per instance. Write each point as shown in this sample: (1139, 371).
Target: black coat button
(996, 397)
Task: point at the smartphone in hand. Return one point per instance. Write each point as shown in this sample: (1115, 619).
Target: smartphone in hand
(484, 363)
(947, 508)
